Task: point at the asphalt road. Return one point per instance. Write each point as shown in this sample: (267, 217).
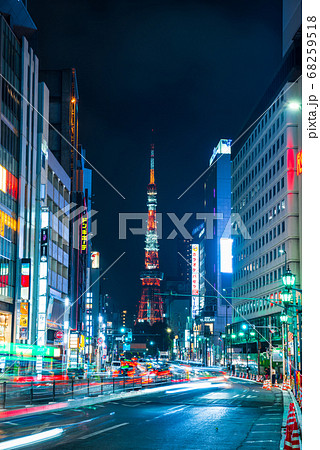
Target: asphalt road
(229, 415)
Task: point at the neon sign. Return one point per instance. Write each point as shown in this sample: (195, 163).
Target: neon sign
(299, 163)
(195, 280)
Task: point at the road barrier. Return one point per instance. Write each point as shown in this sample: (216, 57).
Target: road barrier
(21, 394)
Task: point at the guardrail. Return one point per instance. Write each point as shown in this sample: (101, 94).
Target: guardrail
(16, 394)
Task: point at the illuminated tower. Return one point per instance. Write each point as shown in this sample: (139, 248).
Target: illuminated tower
(150, 305)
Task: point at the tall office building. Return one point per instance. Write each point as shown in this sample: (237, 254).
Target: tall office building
(217, 201)
(53, 302)
(19, 156)
(211, 258)
(266, 194)
(64, 99)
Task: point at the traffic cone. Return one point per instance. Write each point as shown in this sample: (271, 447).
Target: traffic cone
(264, 384)
(268, 385)
(276, 384)
(284, 385)
(292, 433)
(295, 442)
(288, 385)
(247, 377)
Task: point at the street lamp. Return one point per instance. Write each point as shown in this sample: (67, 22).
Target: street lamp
(294, 106)
(288, 279)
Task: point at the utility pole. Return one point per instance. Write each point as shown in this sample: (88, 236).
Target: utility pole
(270, 343)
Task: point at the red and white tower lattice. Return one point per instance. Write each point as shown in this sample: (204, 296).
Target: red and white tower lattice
(150, 304)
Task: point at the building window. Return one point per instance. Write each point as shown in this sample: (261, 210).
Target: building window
(274, 232)
(278, 229)
(283, 226)
(282, 160)
(278, 186)
(267, 258)
(283, 204)
(282, 182)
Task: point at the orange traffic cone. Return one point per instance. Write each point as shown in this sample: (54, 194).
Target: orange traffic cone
(276, 384)
(284, 385)
(269, 385)
(264, 384)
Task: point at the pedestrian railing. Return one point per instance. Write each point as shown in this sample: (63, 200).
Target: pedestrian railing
(21, 394)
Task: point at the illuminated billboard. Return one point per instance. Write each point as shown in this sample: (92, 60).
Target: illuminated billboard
(8, 183)
(195, 280)
(226, 255)
(95, 260)
(299, 163)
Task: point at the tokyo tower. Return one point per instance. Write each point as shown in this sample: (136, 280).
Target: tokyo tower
(150, 304)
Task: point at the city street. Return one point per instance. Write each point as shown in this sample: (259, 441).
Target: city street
(199, 415)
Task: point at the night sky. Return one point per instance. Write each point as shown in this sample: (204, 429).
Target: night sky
(191, 69)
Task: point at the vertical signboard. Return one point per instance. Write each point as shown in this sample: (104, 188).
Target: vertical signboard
(43, 277)
(24, 301)
(195, 280)
(84, 234)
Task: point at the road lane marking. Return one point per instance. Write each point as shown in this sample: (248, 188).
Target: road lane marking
(262, 424)
(11, 423)
(104, 430)
(167, 414)
(254, 442)
(271, 431)
(237, 395)
(174, 407)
